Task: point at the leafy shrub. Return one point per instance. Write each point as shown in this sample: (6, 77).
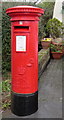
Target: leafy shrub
(48, 13)
(54, 28)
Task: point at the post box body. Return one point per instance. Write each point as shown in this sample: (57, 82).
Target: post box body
(24, 46)
(24, 58)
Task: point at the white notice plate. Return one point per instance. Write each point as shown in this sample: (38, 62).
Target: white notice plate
(20, 43)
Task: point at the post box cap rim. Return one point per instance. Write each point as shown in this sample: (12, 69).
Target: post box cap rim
(25, 8)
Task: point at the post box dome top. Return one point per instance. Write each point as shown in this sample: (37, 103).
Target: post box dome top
(24, 11)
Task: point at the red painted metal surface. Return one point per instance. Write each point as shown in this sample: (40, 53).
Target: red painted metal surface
(24, 64)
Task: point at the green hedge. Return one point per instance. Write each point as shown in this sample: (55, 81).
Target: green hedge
(6, 36)
(6, 29)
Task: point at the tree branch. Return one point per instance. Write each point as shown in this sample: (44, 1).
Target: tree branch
(36, 1)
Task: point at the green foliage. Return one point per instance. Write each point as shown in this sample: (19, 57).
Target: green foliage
(6, 86)
(5, 89)
(48, 13)
(63, 30)
(6, 36)
(54, 28)
(6, 105)
(6, 29)
(6, 33)
(56, 48)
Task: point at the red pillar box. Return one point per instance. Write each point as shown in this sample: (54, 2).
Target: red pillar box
(24, 57)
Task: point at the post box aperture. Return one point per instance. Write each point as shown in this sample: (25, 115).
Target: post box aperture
(24, 58)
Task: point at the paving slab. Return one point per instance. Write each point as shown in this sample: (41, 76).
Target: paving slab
(50, 93)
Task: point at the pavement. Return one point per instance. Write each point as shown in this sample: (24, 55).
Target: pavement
(50, 93)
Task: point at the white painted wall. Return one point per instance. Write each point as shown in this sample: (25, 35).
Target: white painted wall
(58, 10)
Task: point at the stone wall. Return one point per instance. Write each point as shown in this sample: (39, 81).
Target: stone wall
(43, 59)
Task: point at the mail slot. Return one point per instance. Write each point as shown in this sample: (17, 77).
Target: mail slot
(24, 58)
(21, 28)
